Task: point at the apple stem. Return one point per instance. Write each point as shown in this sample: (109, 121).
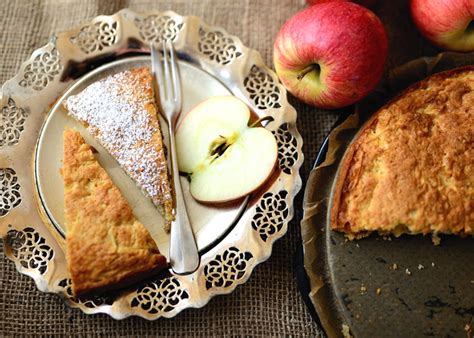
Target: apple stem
(470, 27)
(309, 69)
(262, 119)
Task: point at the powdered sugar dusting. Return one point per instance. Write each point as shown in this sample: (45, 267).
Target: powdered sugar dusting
(115, 112)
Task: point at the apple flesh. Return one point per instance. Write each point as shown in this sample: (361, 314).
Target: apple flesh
(225, 158)
(448, 24)
(332, 54)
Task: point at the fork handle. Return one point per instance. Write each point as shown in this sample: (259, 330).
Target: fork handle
(184, 256)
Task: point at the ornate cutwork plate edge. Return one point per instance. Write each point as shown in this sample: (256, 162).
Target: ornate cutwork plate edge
(166, 297)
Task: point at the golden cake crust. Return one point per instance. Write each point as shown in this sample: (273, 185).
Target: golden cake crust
(120, 112)
(411, 167)
(107, 247)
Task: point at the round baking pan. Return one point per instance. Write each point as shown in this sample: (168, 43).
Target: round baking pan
(382, 287)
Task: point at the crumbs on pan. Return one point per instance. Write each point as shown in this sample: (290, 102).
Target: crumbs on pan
(420, 267)
(469, 330)
(378, 291)
(435, 239)
(346, 332)
(363, 289)
(394, 266)
(407, 272)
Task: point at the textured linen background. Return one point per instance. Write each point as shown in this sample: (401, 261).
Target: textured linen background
(269, 303)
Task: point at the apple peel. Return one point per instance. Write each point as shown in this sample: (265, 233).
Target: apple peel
(448, 24)
(331, 54)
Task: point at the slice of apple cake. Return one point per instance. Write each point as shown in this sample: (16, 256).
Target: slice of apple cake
(120, 112)
(106, 246)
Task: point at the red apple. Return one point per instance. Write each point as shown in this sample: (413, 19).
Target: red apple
(366, 3)
(447, 23)
(315, 2)
(332, 54)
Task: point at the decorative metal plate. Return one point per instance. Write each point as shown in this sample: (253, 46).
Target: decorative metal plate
(32, 241)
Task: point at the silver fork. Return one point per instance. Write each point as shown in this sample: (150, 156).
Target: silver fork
(184, 256)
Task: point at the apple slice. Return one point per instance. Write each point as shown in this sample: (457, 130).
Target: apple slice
(224, 156)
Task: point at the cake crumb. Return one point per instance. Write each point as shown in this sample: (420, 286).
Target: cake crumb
(378, 291)
(357, 245)
(468, 329)
(346, 333)
(407, 272)
(433, 264)
(435, 239)
(394, 266)
(363, 289)
(420, 267)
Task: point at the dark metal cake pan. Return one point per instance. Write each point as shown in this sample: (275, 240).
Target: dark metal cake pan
(383, 287)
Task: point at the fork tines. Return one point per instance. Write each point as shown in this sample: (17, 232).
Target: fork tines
(165, 69)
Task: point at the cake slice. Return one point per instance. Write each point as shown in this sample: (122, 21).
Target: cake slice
(120, 112)
(107, 247)
(410, 170)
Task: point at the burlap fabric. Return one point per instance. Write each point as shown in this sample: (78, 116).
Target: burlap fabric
(269, 304)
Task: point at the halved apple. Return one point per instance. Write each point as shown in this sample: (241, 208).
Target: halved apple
(224, 156)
